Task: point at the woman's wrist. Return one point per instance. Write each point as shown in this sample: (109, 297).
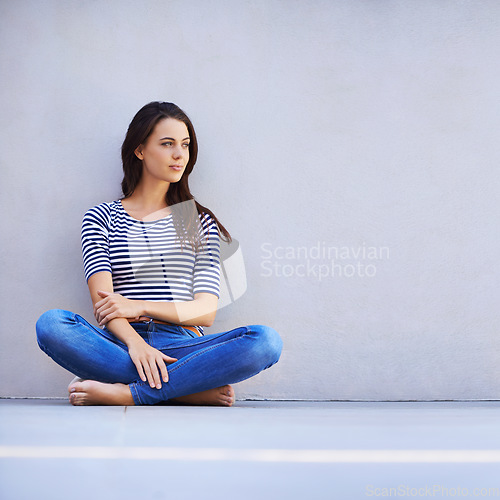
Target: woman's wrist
(133, 341)
(142, 306)
(122, 330)
(157, 310)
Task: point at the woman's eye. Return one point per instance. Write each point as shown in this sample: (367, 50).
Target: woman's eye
(185, 145)
(166, 143)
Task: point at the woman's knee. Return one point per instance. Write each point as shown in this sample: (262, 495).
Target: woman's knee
(48, 325)
(270, 343)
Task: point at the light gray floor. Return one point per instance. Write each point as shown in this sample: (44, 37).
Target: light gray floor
(254, 450)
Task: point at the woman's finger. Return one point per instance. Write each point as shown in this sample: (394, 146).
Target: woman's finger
(155, 375)
(105, 319)
(140, 370)
(99, 306)
(108, 314)
(163, 369)
(102, 312)
(149, 375)
(168, 359)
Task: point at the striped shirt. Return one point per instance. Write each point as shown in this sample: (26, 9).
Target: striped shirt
(146, 259)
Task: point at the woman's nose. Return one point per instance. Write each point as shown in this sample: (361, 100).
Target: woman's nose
(178, 153)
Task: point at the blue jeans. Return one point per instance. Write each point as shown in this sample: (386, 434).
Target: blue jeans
(203, 363)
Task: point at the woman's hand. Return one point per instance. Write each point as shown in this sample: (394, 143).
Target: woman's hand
(148, 360)
(114, 305)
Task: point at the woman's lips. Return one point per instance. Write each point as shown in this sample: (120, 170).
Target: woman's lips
(177, 167)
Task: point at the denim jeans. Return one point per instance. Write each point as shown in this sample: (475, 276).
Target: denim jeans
(202, 363)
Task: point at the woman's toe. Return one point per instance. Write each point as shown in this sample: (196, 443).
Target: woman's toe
(73, 382)
(77, 398)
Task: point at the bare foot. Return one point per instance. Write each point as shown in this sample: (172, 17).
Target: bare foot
(91, 392)
(220, 396)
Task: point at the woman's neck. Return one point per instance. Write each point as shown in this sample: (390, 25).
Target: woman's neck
(148, 198)
(147, 202)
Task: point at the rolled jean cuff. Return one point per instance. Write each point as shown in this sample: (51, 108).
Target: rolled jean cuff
(135, 394)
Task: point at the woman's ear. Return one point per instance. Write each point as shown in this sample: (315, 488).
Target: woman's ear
(138, 153)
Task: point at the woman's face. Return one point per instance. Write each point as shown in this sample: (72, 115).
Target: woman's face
(166, 151)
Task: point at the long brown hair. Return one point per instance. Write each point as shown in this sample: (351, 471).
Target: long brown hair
(139, 130)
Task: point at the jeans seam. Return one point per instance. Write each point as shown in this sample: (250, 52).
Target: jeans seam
(133, 390)
(85, 322)
(207, 338)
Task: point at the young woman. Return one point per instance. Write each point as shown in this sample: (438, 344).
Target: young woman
(152, 265)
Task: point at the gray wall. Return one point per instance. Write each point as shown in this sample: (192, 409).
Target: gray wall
(350, 146)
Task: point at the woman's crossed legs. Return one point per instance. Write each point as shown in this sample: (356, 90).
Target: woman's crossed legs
(205, 367)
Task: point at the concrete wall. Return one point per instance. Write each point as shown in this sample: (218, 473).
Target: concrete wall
(350, 146)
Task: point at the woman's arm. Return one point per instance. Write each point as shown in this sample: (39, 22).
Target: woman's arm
(147, 359)
(200, 311)
(120, 327)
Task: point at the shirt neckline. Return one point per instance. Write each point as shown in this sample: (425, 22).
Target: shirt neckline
(122, 208)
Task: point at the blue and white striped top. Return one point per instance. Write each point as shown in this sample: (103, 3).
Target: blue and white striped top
(146, 259)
